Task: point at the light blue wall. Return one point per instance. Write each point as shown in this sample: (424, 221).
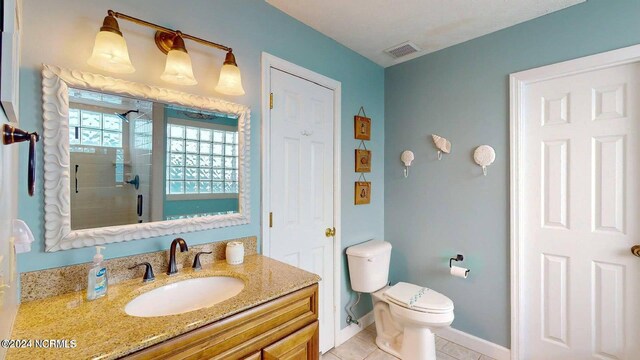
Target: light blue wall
(250, 27)
(448, 207)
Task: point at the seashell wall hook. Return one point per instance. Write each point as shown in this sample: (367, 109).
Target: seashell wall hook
(484, 156)
(407, 158)
(443, 145)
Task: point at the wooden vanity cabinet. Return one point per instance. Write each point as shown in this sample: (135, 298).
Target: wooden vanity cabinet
(284, 328)
(302, 344)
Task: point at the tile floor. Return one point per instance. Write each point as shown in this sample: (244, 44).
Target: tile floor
(363, 346)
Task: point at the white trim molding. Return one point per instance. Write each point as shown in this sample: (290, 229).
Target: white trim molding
(10, 62)
(474, 343)
(269, 61)
(57, 205)
(518, 83)
(458, 337)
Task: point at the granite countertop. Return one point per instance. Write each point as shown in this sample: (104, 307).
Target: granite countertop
(102, 330)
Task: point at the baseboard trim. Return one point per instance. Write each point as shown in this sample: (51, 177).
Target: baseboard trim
(475, 343)
(353, 329)
(469, 341)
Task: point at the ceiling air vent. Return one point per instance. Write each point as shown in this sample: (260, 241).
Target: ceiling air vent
(403, 49)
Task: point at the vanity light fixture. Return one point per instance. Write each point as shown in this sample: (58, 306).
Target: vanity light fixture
(110, 54)
(110, 50)
(230, 82)
(178, 68)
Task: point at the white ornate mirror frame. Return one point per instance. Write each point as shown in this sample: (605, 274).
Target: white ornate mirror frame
(57, 204)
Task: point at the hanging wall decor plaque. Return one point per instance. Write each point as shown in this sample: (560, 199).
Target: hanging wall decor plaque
(363, 161)
(362, 192)
(362, 126)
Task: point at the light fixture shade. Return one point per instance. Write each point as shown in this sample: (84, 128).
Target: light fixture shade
(178, 68)
(230, 81)
(110, 53)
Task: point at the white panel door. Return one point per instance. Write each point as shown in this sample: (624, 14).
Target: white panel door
(582, 216)
(8, 210)
(301, 178)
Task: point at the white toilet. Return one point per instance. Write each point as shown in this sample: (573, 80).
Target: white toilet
(406, 315)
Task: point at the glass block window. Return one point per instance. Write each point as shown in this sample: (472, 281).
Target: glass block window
(192, 216)
(142, 134)
(119, 166)
(201, 159)
(92, 128)
(95, 96)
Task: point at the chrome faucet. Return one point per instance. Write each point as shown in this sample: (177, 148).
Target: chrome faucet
(173, 269)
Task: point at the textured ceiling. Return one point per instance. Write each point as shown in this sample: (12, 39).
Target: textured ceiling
(371, 26)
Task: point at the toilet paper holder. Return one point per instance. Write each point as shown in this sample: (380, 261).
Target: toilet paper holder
(459, 257)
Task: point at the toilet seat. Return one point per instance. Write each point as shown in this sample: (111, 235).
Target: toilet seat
(418, 298)
(408, 333)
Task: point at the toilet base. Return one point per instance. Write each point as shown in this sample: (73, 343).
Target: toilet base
(413, 344)
(407, 340)
(418, 344)
(390, 347)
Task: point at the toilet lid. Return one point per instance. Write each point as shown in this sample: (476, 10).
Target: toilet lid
(418, 298)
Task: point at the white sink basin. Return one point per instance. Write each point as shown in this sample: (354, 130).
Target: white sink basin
(184, 296)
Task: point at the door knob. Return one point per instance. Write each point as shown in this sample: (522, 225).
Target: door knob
(330, 232)
(635, 250)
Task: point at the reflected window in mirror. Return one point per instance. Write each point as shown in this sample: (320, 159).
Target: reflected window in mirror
(136, 161)
(202, 154)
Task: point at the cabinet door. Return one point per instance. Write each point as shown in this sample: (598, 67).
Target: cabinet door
(301, 345)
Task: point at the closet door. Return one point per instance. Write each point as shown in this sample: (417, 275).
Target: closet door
(302, 185)
(8, 211)
(582, 204)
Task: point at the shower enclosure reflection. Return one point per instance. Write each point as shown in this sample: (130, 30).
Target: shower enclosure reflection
(136, 161)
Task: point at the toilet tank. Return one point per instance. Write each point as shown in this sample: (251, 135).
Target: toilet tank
(369, 265)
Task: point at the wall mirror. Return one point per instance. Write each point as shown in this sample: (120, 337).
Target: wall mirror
(126, 161)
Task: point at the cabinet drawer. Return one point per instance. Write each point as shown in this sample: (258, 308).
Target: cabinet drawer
(256, 356)
(301, 345)
(241, 335)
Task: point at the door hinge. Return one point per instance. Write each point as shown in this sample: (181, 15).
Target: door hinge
(270, 219)
(270, 100)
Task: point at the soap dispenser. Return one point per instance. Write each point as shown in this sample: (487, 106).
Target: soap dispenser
(97, 281)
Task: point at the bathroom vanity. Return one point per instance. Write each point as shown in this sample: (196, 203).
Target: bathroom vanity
(275, 316)
(285, 328)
